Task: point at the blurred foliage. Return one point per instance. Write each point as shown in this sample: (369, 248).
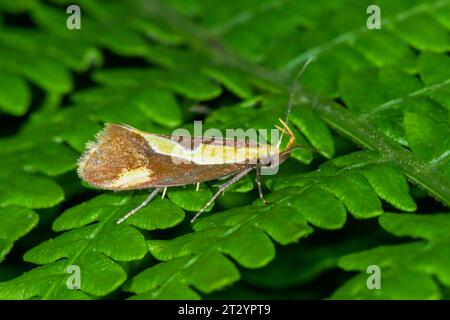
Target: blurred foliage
(374, 103)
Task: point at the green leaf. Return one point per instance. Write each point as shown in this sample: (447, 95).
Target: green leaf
(354, 180)
(363, 202)
(93, 242)
(159, 214)
(29, 190)
(418, 261)
(44, 72)
(188, 198)
(397, 287)
(160, 106)
(315, 130)
(433, 120)
(39, 283)
(15, 223)
(14, 94)
(301, 263)
(322, 209)
(385, 48)
(237, 233)
(232, 80)
(431, 37)
(390, 185)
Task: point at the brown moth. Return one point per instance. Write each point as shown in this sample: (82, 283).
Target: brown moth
(125, 158)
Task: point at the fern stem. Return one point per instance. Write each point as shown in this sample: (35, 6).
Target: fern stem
(363, 133)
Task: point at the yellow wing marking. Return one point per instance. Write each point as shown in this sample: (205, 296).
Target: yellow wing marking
(207, 154)
(131, 178)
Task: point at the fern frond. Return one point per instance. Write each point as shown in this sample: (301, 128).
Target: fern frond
(94, 243)
(423, 261)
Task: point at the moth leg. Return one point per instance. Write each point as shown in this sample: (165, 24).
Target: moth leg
(258, 184)
(164, 193)
(222, 188)
(139, 207)
(197, 187)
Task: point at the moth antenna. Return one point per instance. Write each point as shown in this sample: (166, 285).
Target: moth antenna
(292, 94)
(294, 88)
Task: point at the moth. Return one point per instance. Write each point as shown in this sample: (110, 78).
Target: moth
(125, 158)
